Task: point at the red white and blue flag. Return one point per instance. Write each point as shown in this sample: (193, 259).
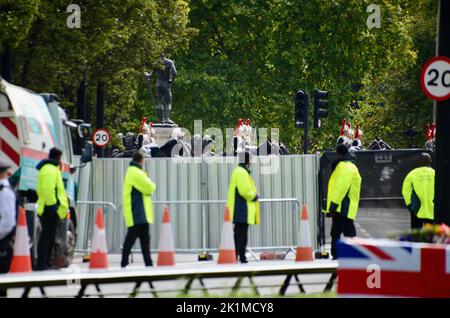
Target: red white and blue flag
(384, 268)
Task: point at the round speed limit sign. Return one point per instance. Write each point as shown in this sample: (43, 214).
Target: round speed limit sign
(101, 137)
(435, 78)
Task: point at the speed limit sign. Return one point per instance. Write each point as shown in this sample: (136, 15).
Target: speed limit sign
(101, 137)
(435, 78)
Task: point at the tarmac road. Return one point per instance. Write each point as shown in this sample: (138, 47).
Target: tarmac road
(220, 287)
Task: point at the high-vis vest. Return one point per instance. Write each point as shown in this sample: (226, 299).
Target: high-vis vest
(241, 193)
(344, 188)
(137, 203)
(418, 191)
(50, 189)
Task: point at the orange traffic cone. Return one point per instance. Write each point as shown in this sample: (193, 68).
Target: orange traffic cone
(99, 251)
(21, 261)
(227, 251)
(304, 249)
(166, 251)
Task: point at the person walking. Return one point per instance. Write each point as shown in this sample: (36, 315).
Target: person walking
(138, 209)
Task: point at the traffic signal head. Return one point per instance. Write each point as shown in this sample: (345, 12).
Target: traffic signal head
(320, 106)
(301, 109)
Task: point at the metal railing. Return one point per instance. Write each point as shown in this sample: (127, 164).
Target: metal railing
(110, 204)
(93, 203)
(203, 203)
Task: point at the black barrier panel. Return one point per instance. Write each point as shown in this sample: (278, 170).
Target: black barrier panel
(382, 211)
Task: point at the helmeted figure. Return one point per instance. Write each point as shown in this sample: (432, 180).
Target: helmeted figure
(147, 131)
(343, 135)
(247, 132)
(166, 71)
(430, 134)
(242, 136)
(356, 143)
(239, 128)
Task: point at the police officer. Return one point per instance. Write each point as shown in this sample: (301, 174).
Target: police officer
(137, 209)
(52, 203)
(344, 188)
(418, 192)
(242, 203)
(7, 218)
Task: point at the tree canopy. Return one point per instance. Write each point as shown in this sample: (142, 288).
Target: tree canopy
(235, 59)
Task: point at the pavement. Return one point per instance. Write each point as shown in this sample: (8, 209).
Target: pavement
(268, 286)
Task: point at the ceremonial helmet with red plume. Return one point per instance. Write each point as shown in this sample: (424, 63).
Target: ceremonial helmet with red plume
(428, 132)
(143, 122)
(239, 123)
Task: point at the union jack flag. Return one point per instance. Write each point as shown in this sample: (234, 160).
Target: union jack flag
(405, 269)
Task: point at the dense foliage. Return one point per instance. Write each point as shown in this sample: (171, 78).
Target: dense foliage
(235, 59)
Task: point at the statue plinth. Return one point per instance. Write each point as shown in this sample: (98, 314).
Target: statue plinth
(165, 132)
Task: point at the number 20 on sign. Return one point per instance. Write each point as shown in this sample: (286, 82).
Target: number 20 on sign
(435, 78)
(101, 137)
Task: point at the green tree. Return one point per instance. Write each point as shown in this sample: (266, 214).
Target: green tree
(250, 57)
(113, 45)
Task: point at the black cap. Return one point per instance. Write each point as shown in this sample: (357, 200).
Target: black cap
(425, 159)
(4, 165)
(341, 149)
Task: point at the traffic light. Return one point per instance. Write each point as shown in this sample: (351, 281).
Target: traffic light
(320, 106)
(301, 109)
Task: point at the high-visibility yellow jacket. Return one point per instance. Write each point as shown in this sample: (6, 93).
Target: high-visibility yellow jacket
(242, 197)
(344, 188)
(50, 188)
(418, 192)
(137, 202)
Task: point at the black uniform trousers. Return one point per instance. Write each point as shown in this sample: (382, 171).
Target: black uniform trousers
(6, 253)
(417, 223)
(340, 225)
(140, 231)
(49, 222)
(240, 240)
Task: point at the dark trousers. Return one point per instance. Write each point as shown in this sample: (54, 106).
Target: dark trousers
(49, 222)
(6, 252)
(340, 225)
(240, 240)
(417, 223)
(140, 231)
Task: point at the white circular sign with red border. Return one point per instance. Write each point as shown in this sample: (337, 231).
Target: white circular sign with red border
(101, 137)
(435, 78)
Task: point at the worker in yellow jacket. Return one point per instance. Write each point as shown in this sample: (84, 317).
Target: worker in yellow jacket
(242, 203)
(344, 189)
(52, 203)
(137, 209)
(418, 192)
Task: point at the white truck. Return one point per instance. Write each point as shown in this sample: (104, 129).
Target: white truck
(30, 125)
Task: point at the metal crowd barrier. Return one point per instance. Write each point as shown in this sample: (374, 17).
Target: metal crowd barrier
(203, 203)
(93, 203)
